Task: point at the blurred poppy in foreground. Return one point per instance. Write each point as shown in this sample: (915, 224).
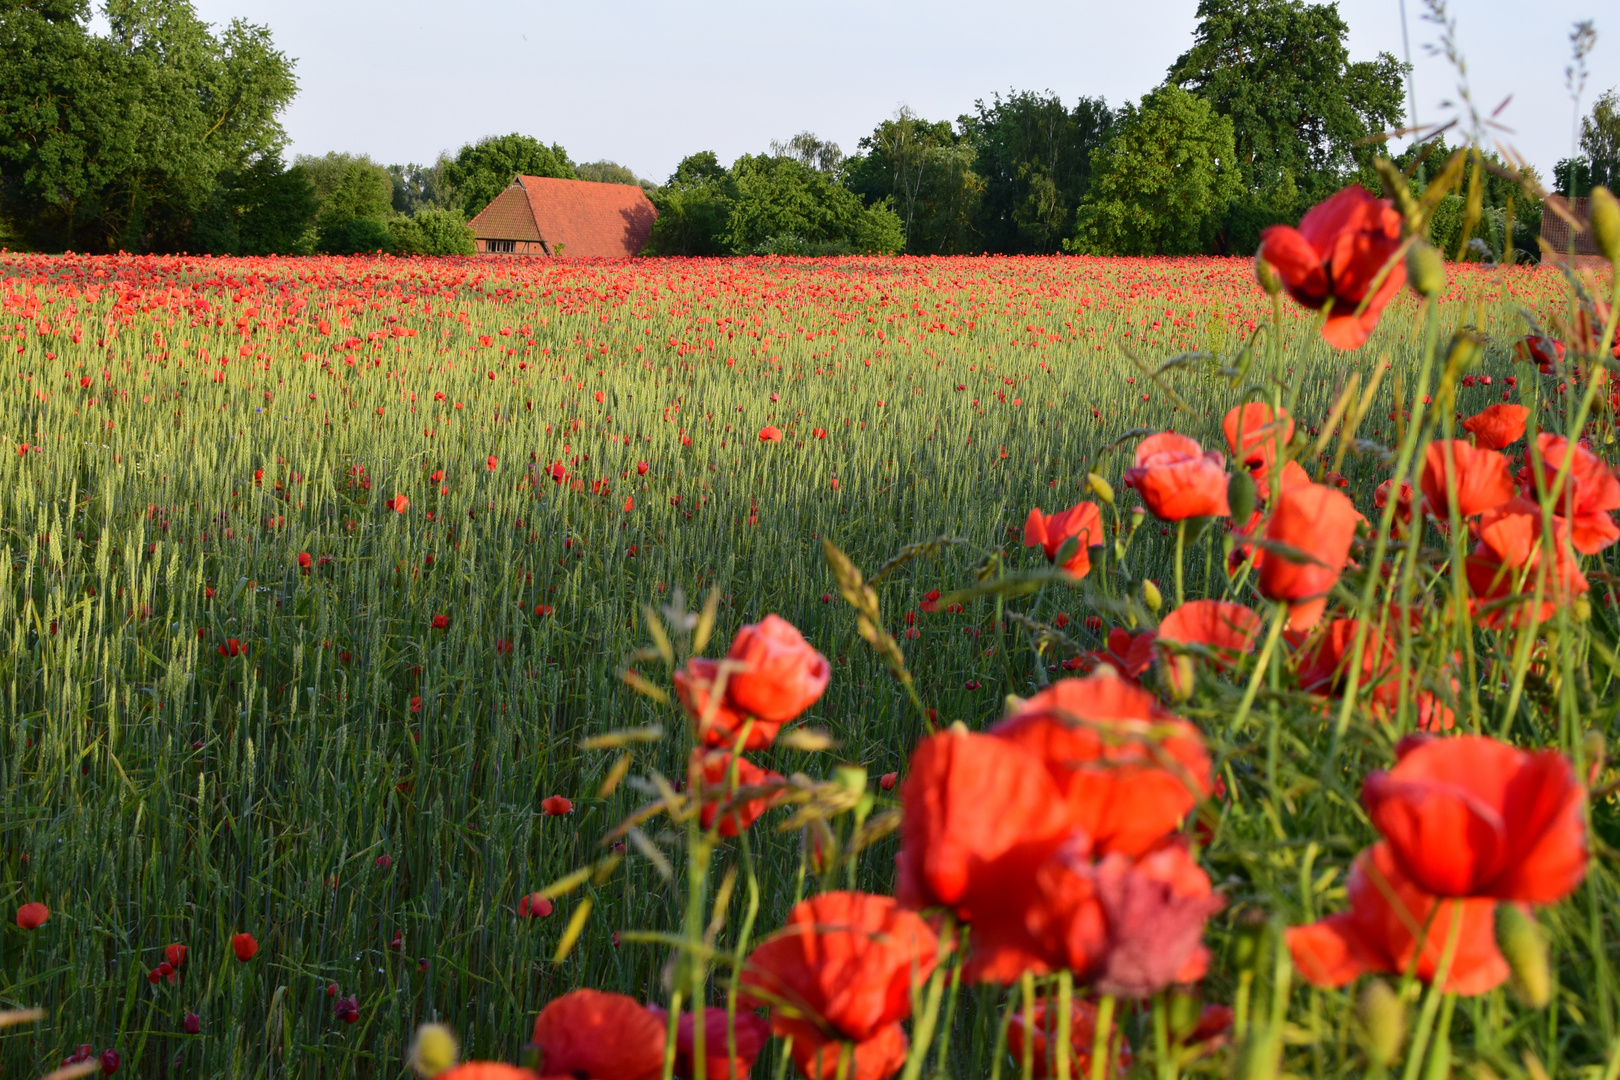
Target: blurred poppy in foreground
(599, 1035)
(715, 771)
(1497, 425)
(749, 1030)
(1041, 1035)
(1256, 437)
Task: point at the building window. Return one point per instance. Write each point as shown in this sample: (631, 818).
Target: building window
(501, 246)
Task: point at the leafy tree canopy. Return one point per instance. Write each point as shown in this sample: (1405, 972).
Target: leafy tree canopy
(926, 171)
(1280, 69)
(116, 140)
(482, 170)
(1162, 181)
(609, 172)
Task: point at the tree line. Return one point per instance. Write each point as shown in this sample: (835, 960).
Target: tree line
(163, 134)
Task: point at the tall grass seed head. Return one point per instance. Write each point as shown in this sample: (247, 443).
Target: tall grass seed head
(1604, 217)
(1519, 937)
(433, 1052)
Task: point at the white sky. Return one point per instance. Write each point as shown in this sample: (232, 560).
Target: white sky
(645, 83)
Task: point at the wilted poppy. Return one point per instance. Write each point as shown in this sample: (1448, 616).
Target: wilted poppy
(244, 946)
(556, 805)
(1082, 522)
(839, 978)
(1310, 530)
(716, 720)
(1495, 426)
(1480, 477)
(1379, 933)
(749, 1031)
(32, 916)
(770, 433)
(1510, 545)
(1178, 479)
(1224, 628)
(715, 771)
(1471, 816)
(1342, 246)
(599, 1035)
(1590, 493)
(1256, 436)
(1127, 770)
(1041, 1035)
(780, 674)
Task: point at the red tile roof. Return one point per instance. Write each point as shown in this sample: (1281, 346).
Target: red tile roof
(574, 218)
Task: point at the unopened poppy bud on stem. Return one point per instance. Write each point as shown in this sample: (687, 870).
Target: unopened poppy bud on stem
(1522, 943)
(1267, 276)
(1152, 597)
(1100, 488)
(1381, 1016)
(1240, 496)
(1425, 269)
(434, 1050)
(1605, 219)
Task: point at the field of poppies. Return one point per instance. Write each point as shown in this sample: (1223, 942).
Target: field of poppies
(859, 667)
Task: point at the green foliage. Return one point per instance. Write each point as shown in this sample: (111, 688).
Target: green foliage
(693, 208)
(1034, 155)
(263, 210)
(778, 197)
(359, 236)
(1600, 140)
(926, 172)
(482, 170)
(418, 187)
(1281, 71)
(608, 172)
(1161, 182)
(444, 232)
(116, 140)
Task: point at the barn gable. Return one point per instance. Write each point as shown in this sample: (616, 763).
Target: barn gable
(571, 218)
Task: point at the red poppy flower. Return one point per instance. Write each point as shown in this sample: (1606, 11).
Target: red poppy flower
(1256, 439)
(1042, 1033)
(1127, 769)
(1379, 933)
(1341, 247)
(232, 647)
(599, 1035)
(1323, 666)
(305, 561)
(1154, 910)
(715, 770)
(556, 805)
(1481, 478)
(1178, 479)
(1403, 507)
(1510, 545)
(399, 504)
(1495, 426)
(717, 721)
(750, 1032)
(486, 1070)
(1082, 521)
(781, 674)
(1225, 628)
(770, 433)
(244, 946)
(1127, 653)
(492, 462)
(840, 974)
(1543, 351)
(1471, 816)
(175, 955)
(535, 906)
(441, 622)
(32, 916)
(1589, 494)
(1318, 523)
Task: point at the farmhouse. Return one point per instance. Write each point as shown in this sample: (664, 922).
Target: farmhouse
(539, 215)
(1555, 228)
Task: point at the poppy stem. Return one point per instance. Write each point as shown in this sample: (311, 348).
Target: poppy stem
(1102, 1040)
(922, 1031)
(1431, 1000)
(1065, 1023)
(1279, 615)
(1181, 548)
(1163, 1064)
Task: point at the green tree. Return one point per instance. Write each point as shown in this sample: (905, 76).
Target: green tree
(265, 209)
(418, 187)
(784, 206)
(1034, 155)
(609, 172)
(348, 188)
(1162, 180)
(694, 208)
(1300, 108)
(1600, 141)
(482, 170)
(926, 172)
(117, 140)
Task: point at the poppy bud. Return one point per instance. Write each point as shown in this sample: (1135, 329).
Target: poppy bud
(1152, 597)
(1240, 496)
(1425, 269)
(1581, 608)
(1067, 551)
(1177, 675)
(1100, 488)
(433, 1052)
(1523, 944)
(1267, 276)
(1381, 1017)
(1604, 215)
